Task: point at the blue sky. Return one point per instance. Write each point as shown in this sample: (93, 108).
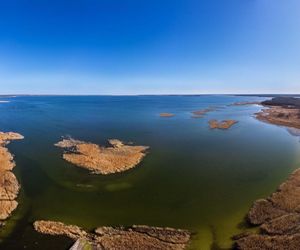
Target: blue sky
(149, 47)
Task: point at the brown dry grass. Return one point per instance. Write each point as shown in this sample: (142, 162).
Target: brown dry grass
(278, 217)
(225, 124)
(280, 116)
(103, 160)
(9, 186)
(120, 238)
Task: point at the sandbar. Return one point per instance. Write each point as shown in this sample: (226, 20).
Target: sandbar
(166, 115)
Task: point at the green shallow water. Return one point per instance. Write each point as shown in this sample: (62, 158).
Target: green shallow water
(192, 177)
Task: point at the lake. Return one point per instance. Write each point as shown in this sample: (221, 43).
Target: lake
(193, 177)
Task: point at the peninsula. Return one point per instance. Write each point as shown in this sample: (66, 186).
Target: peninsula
(283, 111)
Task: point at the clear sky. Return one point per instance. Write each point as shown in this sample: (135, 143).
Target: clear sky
(149, 46)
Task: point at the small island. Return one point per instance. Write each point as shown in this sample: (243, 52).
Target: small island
(166, 115)
(115, 158)
(225, 124)
(9, 185)
(118, 238)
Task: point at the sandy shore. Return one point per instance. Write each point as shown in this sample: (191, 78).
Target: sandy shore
(115, 158)
(120, 238)
(9, 185)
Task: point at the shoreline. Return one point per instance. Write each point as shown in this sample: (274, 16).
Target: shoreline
(9, 185)
(119, 238)
(282, 111)
(278, 215)
(279, 116)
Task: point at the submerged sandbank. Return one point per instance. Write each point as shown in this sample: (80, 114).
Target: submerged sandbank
(115, 158)
(9, 185)
(119, 238)
(201, 112)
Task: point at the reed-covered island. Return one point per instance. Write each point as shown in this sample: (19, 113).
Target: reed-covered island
(115, 158)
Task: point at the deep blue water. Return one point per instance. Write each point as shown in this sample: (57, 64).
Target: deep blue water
(193, 177)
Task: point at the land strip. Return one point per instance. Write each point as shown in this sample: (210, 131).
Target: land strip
(9, 185)
(118, 238)
(277, 216)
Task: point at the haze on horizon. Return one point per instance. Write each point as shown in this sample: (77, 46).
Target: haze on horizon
(149, 47)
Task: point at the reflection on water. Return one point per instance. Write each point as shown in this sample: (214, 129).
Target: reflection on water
(294, 131)
(193, 177)
(112, 187)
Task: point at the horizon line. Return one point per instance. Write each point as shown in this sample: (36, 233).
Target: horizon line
(186, 94)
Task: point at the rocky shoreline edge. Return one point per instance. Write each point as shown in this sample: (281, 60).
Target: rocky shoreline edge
(9, 185)
(278, 216)
(118, 238)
